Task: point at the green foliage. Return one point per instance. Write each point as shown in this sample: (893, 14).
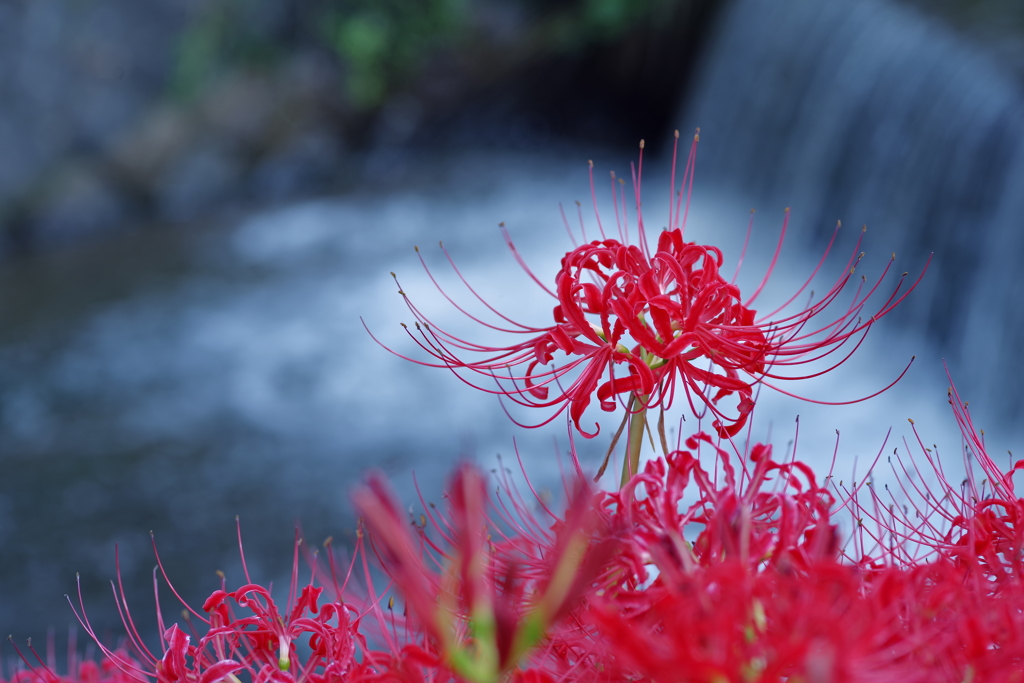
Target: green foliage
(222, 35)
(384, 42)
(579, 24)
(607, 19)
(198, 48)
(384, 45)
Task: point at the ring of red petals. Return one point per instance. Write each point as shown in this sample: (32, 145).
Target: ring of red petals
(632, 322)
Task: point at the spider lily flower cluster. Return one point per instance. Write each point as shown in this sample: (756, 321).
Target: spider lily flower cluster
(328, 631)
(717, 562)
(637, 322)
(496, 599)
(714, 562)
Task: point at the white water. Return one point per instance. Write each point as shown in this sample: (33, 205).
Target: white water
(865, 111)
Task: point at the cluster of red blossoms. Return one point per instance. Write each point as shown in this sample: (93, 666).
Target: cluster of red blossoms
(714, 562)
(635, 325)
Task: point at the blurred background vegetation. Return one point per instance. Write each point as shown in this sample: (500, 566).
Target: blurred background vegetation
(387, 47)
(188, 110)
(115, 116)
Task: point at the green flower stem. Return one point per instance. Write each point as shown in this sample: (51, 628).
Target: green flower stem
(477, 662)
(637, 425)
(535, 625)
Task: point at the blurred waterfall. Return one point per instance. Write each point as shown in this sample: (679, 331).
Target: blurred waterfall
(867, 112)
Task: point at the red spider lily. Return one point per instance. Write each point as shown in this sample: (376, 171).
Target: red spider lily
(992, 531)
(826, 622)
(966, 538)
(979, 523)
(765, 592)
(635, 326)
(716, 563)
(493, 601)
(244, 633)
(78, 670)
(750, 508)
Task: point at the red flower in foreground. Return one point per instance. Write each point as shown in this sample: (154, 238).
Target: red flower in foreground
(636, 325)
(78, 670)
(827, 623)
(244, 635)
(495, 600)
(716, 563)
(977, 521)
(752, 583)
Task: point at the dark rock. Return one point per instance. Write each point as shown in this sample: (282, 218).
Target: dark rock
(306, 165)
(240, 109)
(143, 152)
(202, 180)
(77, 204)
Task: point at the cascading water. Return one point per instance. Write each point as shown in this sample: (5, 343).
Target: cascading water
(868, 112)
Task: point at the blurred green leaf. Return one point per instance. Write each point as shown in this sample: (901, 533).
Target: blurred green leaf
(385, 45)
(199, 50)
(219, 37)
(364, 39)
(607, 15)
